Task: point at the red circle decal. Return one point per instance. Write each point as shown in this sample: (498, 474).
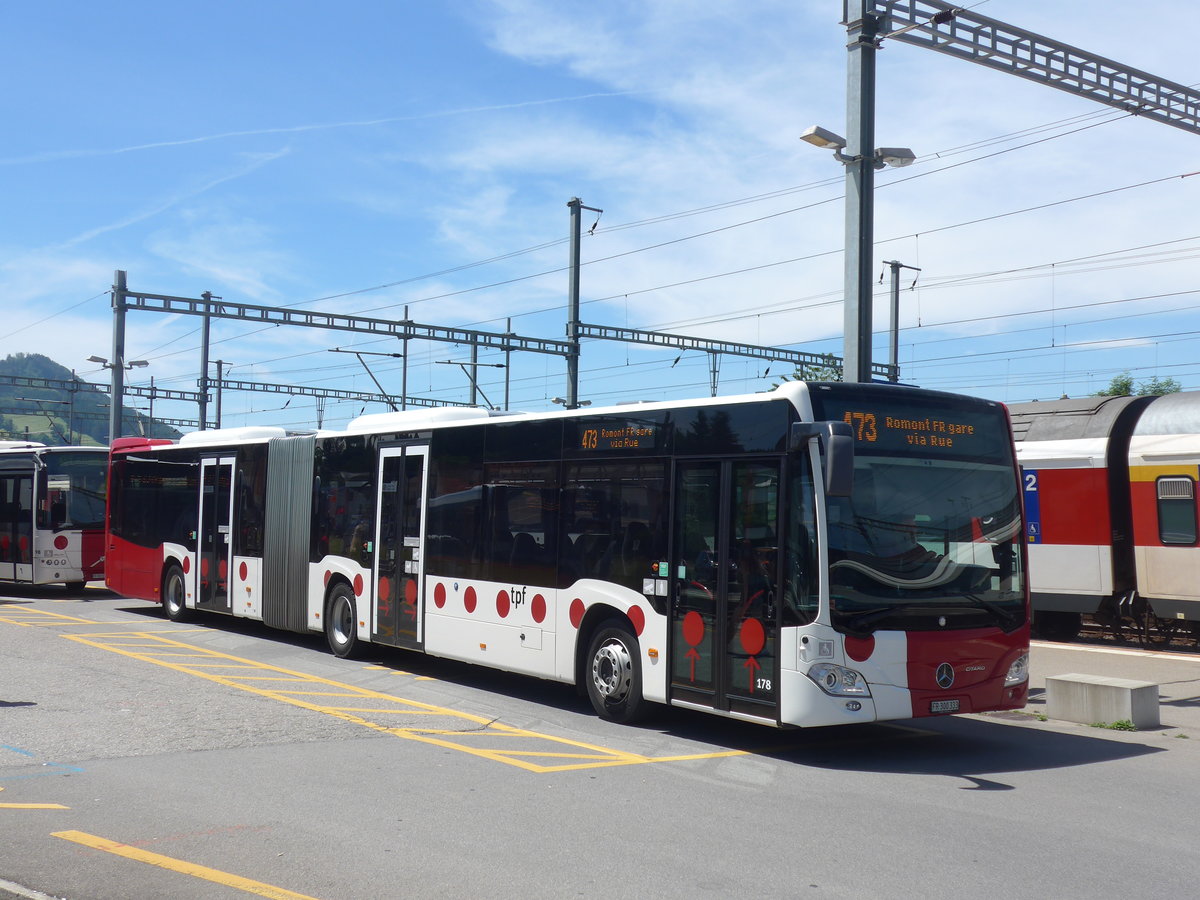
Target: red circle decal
(637, 617)
(243, 571)
(328, 575)
(577, 611)
(358, 585)
(693, 628)
(469, 599)
(187, 564)
(860, 649)
(503, 604)
(410, 592)
(60, 542)
(538, 608)
(439, 595)
(752, 636)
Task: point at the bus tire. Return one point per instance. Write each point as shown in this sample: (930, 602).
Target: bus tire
(174, 594)
(613, 673)
(341, 630)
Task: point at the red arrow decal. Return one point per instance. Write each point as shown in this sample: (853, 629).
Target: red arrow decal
(753, 665)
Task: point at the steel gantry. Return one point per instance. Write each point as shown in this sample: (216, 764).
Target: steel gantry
(967, 35)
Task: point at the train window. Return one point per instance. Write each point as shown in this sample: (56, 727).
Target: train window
(1176, 510)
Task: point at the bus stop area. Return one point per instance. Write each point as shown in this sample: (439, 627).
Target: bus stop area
(1175, 672)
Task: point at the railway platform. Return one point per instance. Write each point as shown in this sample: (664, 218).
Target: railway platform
(1176, 672)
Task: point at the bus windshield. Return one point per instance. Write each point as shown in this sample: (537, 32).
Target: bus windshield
(930, 536)
(75, 483)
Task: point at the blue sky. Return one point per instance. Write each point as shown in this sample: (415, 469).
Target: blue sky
(420, 154)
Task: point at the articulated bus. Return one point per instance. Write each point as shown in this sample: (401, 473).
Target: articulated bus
(821, 554)
(51, 514)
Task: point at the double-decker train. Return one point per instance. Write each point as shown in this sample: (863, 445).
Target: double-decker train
(1111, 523)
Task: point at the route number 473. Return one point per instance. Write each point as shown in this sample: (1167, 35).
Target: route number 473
(863, 425)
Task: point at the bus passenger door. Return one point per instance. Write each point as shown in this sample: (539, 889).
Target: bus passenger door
(400, 546)
(724, 629)
(16, 527)
(214, 540)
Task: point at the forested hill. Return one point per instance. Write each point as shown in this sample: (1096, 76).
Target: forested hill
(60, 415)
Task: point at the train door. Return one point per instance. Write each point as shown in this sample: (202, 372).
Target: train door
(16, 526)
(215, 534)
(399, 546)
(724, 629)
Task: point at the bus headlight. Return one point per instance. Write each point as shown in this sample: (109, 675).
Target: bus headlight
(839, 681)
(1018, 672)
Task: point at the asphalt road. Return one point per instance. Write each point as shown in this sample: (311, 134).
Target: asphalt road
(144, 759)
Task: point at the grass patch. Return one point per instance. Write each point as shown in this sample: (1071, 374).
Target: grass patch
(1119, 725)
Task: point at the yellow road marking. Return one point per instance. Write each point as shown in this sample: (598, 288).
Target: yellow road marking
(32, 805)
(178, 865)
(23, 615)
(475, 735)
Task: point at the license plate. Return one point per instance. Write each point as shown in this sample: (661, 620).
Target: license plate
(943, 706)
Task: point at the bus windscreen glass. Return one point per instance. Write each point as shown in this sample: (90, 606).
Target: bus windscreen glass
(930, 536)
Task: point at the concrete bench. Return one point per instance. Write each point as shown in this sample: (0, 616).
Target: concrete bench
(1097, 699)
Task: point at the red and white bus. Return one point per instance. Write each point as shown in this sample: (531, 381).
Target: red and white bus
(1110, 498)
(51, 514)
(821, 554)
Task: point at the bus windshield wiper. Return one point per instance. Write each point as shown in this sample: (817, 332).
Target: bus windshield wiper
(1009, 619)
(858, 623)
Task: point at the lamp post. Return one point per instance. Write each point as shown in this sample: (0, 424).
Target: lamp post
(118, 368)
(862, 30)
(860, 241)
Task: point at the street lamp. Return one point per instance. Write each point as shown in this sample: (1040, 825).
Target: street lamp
(117, 397)
(860, 213)
(132, 364)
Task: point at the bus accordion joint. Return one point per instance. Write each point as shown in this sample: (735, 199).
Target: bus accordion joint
(837, 446)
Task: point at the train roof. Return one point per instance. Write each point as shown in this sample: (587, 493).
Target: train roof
(1074, 419)
(1171, 414)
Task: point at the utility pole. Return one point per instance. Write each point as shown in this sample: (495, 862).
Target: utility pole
(894, 343)
(220, 376)
(862, 29)
(116, 398)
(205, 334)
(576, 206)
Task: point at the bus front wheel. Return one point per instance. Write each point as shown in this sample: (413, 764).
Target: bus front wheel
(174, 594)
(340, 627)
(614, 673)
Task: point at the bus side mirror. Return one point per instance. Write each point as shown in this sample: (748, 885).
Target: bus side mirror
(837, 447)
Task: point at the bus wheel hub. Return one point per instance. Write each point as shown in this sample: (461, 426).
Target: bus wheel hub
(612, 670)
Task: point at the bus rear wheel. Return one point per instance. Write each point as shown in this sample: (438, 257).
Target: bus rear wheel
(614, 673)
(174, 594)
(340, 622)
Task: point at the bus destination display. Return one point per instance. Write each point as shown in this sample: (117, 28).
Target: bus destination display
(926, 431)
(618, 436)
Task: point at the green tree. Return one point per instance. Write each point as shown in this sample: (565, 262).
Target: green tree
(828, 369)
(1122, 386)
